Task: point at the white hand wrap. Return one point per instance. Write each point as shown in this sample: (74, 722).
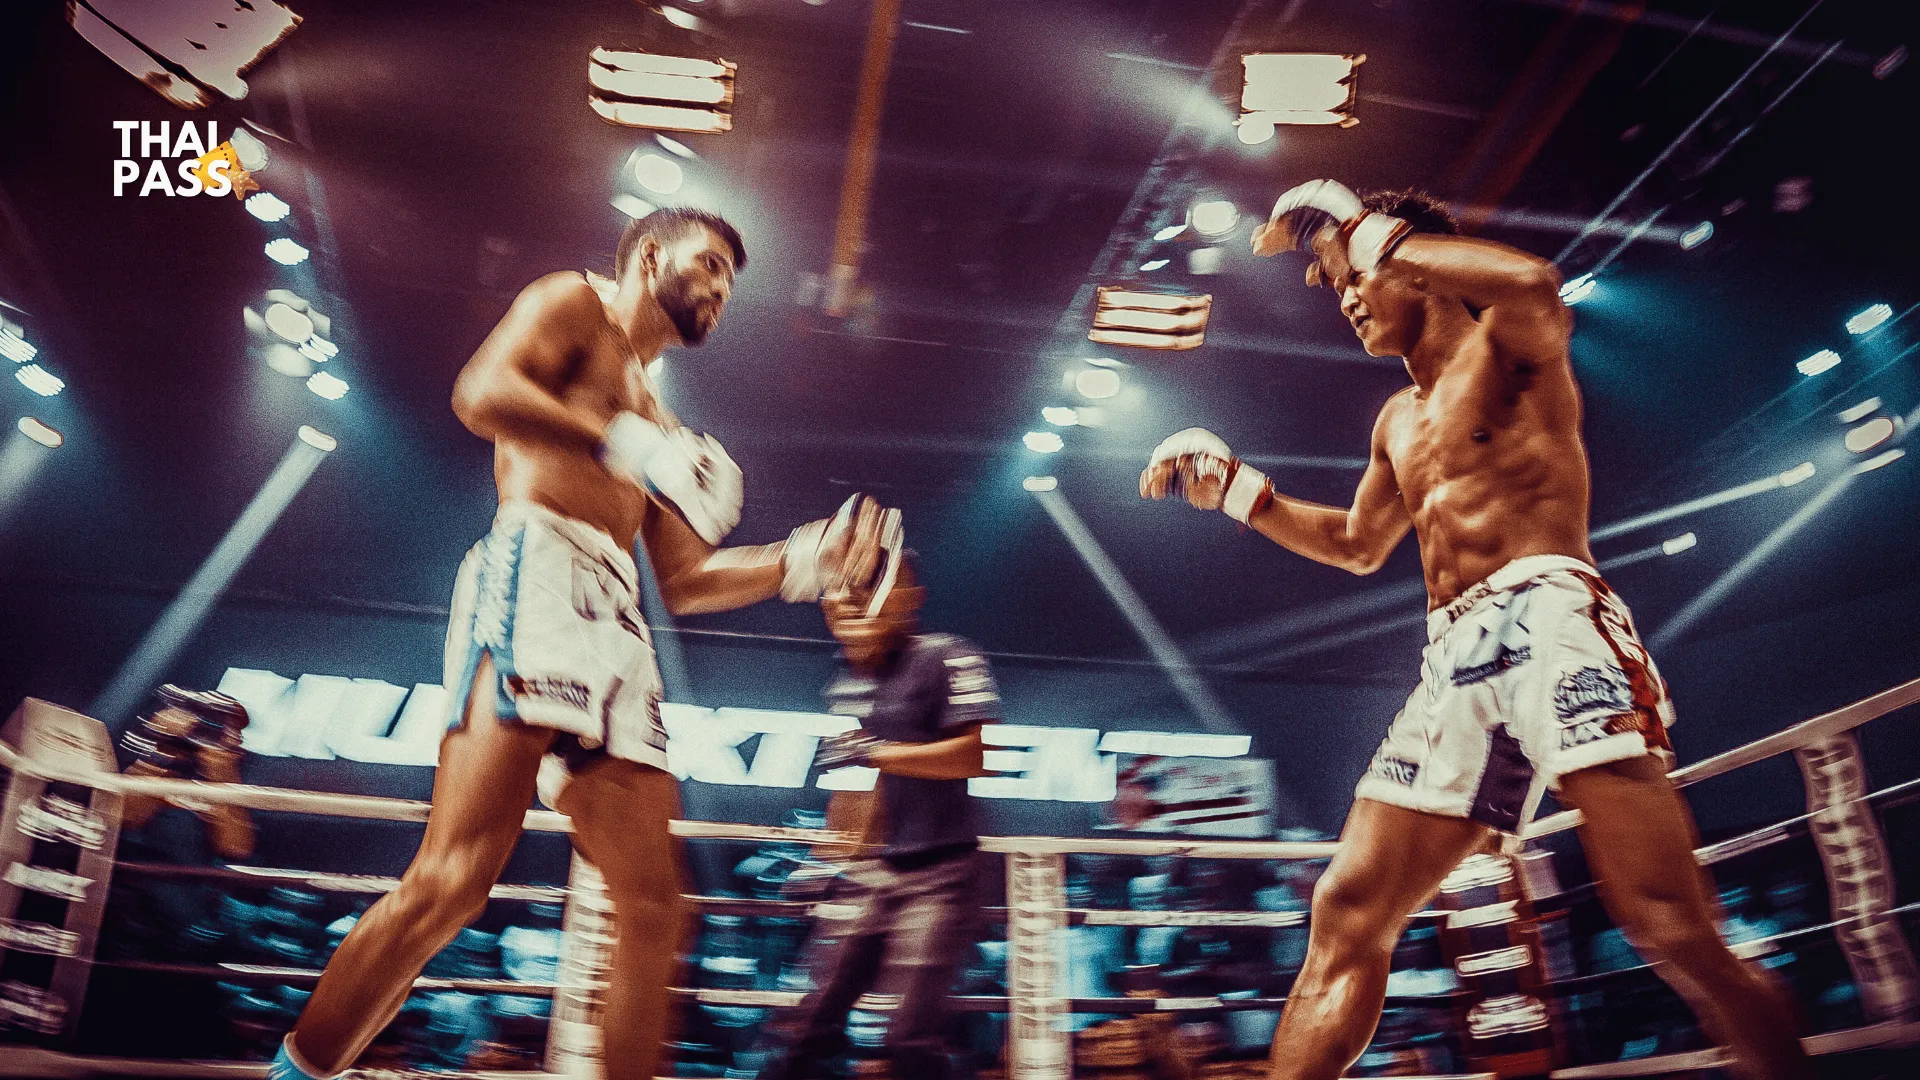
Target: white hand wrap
(1371, 237)
(1199, 454)
(691, 472)
(804, 573)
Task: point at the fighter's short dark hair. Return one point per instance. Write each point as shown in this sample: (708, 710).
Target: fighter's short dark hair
(1417, 208)
(673, 222)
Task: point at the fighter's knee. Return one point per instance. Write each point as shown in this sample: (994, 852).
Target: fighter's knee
(1349, 913)
(442, 893)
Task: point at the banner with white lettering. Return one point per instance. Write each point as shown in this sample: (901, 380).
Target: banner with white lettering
(333, 716)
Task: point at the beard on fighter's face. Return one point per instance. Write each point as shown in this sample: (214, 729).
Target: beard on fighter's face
(674, 294)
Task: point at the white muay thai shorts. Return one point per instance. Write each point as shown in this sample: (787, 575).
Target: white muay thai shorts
(1532, 674)
(556, 603)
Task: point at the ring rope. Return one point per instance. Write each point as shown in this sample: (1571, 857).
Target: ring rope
(413, 810)
(1845, 718)
(271, 799)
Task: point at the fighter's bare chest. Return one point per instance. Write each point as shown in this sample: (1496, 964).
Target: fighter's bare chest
(610, 380)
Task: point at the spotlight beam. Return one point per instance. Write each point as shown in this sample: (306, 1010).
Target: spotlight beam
(1275, 629)
(1730, 579)
(20, 459)
(1679, 140)
(184, 616)
(1702, 170)
(1691, 506)
(1178, 668)
(1397, 622)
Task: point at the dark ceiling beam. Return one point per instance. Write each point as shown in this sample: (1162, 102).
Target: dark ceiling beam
(863, 153)
(1681, 24)
(1681, 139)
(1547, 114)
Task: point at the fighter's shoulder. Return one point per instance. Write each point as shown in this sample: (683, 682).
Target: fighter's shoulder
(560, 297)
(1393, 409)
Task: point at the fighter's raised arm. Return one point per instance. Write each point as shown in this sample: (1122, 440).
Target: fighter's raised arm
(1514, 293)
(1197, 465)
(511, 387)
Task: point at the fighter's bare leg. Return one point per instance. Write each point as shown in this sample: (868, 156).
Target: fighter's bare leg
(620, 810)
(1391, 861)
(1639, 839)
(480, 798)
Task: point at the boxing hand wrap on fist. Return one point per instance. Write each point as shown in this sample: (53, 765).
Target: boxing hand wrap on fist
(1303, 210)
(847, 748)
(1196, 465)
(690, 472)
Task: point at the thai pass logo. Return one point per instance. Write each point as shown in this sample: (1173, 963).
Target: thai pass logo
(170, 162)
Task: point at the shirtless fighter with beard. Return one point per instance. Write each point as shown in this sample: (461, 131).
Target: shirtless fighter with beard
(1533, 677)
(548, 654)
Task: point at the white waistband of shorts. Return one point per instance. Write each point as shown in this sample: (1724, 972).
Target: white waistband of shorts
(517, 511)
(1516, 573)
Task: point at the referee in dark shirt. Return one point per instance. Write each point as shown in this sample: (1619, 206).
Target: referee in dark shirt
(910, 910)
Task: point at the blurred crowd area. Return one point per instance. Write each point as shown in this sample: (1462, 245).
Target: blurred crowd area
(192, 965)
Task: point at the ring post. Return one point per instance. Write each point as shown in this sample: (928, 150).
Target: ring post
(1038, 1043)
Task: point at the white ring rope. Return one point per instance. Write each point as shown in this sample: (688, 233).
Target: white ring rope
(1802, 734)
(27, 1061)
(388, 809)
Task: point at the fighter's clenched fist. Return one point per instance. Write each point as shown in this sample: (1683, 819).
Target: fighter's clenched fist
(1196, 465)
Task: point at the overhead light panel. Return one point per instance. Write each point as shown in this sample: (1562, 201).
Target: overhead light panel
(192, 52)
(1801, 472)
(1823, 360)
(1873, 433)
(267, 206)
(286, 252)
(1043, 442)
(1683, 542)
(1861, 411)
(1880, 461)
(327, 385)
(1151, 265)
(1297, 88)
(1170, 232)
(1869, 320)
(660, 175)
(1253, 130)
(317, 439)
(1040, 483)
(41, 432)
(292, 326)
(249, 149)
(672, 93)
(1060, 416)
(1149, 320)
(14, 347)
(1215, 217)
(1696, 236)
(39, 380)
(1577, 290)
(1097, 383)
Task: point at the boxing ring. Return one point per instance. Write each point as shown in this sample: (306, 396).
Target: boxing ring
(1839, 818)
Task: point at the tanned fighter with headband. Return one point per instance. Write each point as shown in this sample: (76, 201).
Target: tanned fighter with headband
(1534, 676)
(548, 655)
